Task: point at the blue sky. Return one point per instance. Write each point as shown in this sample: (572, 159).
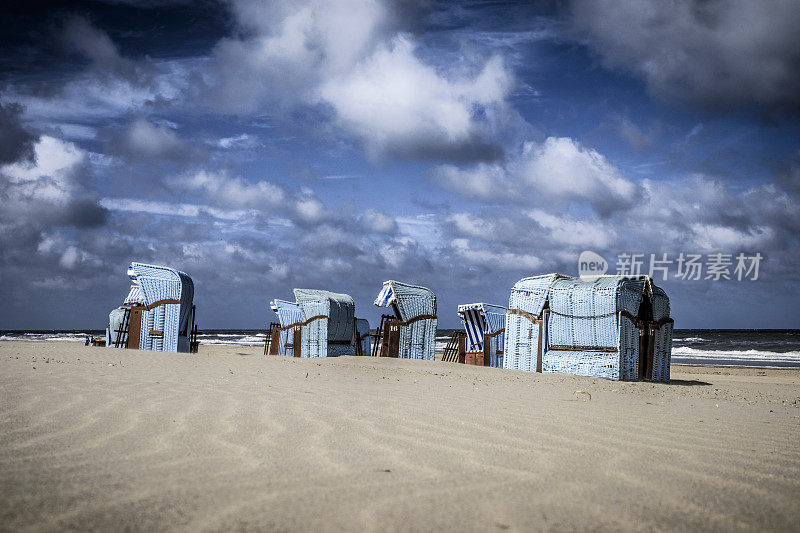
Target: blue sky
(457, 145)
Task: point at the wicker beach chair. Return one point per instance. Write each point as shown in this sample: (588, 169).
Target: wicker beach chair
(485, 327)
(282, 342)
(616, 327)
(320, 324)
(411, 332)
(157, 314)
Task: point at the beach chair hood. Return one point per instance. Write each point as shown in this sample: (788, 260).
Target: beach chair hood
(338, 308)
(410, 300)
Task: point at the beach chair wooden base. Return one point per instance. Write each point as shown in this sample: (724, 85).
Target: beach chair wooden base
(478, 358)
(475, 359)
(390, 344)
(272, 338)
(194, 343)
(134, 328)
(377, 337)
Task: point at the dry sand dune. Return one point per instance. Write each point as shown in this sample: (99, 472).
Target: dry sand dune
(227, 438)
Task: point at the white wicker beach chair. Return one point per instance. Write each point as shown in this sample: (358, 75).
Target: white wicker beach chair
(411, 332)
(157, 314)
(320, 324)
(616, 327)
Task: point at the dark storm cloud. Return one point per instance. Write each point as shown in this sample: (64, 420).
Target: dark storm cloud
(718, 53)
(81, 37)
(16, 142)
(50, 193)
(45, 193)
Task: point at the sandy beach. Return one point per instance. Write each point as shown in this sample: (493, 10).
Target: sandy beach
(103, 439)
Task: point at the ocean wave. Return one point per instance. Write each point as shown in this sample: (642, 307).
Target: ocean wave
(46, 337)
(232, 342)
(682, 352)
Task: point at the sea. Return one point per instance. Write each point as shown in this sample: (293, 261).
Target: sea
(774, 348)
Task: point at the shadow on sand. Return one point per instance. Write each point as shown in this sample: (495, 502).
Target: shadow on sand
(688, 383)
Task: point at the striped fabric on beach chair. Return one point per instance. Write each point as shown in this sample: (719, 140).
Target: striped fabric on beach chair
(412, 332)
(484, 321)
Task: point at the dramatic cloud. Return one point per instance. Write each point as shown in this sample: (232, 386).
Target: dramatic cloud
(51, 191)
(80, 36)
(714, 53)
(559, 169)
(95, 44)
(396, 103)
(696, 214)
(351, 57)
(41, 201)
(456, 127)
(289, 47)
(110, 87)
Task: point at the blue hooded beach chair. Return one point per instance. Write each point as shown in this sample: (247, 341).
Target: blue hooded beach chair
(616, 327)
(320, 324)
(409, 333)
(158, 313)
(484, 325)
